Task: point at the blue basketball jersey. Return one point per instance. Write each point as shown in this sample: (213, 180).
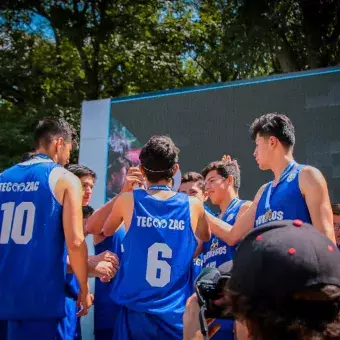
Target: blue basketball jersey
(197, 263)
(154, 274)
(216, 252)
(285, 202)
(31, 242)
(105, 310)
(196, 268)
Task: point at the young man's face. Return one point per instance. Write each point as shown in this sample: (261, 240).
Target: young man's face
(63, 151)
(87, 183)
(192, 189)
(262, 152)
(215, 187)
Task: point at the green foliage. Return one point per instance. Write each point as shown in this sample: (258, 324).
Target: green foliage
(56, 54)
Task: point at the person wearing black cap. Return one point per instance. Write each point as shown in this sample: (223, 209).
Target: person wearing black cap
(284, 284)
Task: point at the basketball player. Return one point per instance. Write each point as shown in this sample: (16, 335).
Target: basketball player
(69, 327)
(152, 284)
(222, 183)
(192, 184)
(336, 222)
(297, 191)
(41, 207)
(105, 310)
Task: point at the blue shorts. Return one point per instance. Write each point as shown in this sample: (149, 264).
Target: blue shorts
(69, 326)
(103, 334)
(33, 330)
(131, 325)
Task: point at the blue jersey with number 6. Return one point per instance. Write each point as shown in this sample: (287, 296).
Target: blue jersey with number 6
(154, 275)
(32, 269)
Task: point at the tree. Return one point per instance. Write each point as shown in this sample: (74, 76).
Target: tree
(56, 53)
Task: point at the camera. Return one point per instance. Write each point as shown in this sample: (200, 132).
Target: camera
(210, 285)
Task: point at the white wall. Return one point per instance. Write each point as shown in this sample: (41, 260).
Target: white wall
(95, 121)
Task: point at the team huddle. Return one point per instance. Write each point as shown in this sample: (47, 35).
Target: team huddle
(150, 241)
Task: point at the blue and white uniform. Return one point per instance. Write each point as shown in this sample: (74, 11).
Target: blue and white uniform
(152, 283)
(31, 250)
(105, 310)
(284, 201)
(215, 253)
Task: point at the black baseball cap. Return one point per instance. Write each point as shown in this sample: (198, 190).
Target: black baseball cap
(281, 258)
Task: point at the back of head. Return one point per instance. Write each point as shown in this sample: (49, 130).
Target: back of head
(81, 170)
(158, 158)
(50, 128)
(274, 124)
(225, 169)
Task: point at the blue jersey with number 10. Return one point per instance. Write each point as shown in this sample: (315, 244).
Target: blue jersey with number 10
(155, 266)
(32, 269)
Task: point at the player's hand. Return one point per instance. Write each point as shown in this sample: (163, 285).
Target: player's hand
(107, 256)
(133, 177)
(84, 301)
(105, 271)
(191, 323)
(227, 158)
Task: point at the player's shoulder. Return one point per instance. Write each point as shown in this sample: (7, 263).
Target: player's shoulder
(310, 173)
(61, 178)
(125, 198)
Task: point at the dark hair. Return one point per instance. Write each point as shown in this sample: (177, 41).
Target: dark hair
(225, 169)
(336, 208)
(27, 155)
(274, 124)
(51, 127)
(158, 157)
(81, 170)
(87, 211)
(195, 177)
(312, 314)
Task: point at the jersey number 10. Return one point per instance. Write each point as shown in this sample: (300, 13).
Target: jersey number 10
(13, 222)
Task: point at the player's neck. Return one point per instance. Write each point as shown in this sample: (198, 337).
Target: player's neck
(228, 198)
(280, 164)
(45, 152)
(160, 183)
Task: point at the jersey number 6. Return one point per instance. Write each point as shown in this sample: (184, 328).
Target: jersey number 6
(158, 272)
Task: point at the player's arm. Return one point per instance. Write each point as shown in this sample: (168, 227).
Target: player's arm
(245, 206)
(314, 188)
(197, 216)
(116, 217)
(74, 234)
(244, 222)
(96, 221)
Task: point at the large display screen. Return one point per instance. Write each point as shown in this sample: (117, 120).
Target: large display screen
(207, 122)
